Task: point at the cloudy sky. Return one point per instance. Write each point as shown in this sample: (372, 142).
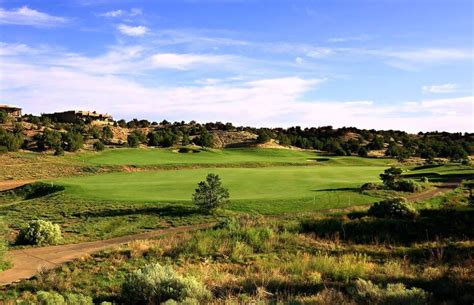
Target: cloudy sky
(387, 64)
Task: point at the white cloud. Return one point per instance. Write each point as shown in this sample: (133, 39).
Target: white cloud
(362, 37)
(45, 80)
(27, 16)
(122, 13)
(132, 30)
(299, 60)
(262, 102)
(444, 88)
(185, 61)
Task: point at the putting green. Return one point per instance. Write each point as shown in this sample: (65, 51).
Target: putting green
(262, 189)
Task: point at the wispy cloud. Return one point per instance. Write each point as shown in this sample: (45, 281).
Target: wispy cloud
(362, 37)
(136, 31)
(26, 16)
(185, 61)
(281, 101)
(444, 88)
(122, 13)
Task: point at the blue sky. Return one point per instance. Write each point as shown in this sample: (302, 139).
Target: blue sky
(395, 64)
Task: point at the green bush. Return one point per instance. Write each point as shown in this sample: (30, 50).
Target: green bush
(424, 179)
(99, 146)
(155, 284)
(394, 294)
(408, 185)
(40, 232)
(393, 208)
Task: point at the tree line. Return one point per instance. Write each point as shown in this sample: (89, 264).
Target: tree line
(343, 141)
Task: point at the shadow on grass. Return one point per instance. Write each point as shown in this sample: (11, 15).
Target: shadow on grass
(350, 189)
(166, 211)
(431, 225)
(435, 177)
(32, 191)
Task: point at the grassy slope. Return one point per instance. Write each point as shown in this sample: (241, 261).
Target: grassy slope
(146, 157)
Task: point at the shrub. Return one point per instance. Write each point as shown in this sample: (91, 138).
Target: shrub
(368, 186)
(59, 151)
(155, 284)
(210, 194)
(40, 232)
(54, 298)
(424, 179)
(393, 208)
(12, 141)
(394, 294)
(50, 298)
(408, 185)
(99, 146)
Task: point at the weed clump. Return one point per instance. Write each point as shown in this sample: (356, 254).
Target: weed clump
(367, 292)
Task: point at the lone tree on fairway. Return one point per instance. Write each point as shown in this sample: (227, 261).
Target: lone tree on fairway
(391, 176)
(210, 194)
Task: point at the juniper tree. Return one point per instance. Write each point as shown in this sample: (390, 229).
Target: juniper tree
(210, 194)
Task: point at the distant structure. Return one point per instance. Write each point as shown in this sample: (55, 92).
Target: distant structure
(74, 116)
(12, 111)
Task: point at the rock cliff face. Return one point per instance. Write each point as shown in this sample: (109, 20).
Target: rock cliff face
(233, 138)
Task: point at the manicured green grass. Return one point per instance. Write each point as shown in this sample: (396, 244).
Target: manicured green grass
(160, 156)
(266, 190)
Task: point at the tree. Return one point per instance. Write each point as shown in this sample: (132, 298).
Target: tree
(391, 176)
(3, 116)
(133, 140)
(263, 136)
(72, 141)
(210, 194)
(49, 139)
(362, 152)
(107, 134)
(206, 139)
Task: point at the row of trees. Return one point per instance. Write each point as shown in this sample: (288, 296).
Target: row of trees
(340, 141)
(168, 138)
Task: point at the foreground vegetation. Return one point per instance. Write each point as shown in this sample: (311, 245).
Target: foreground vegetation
(297, 260)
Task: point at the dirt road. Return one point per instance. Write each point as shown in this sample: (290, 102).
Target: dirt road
(440, 189)
(27, 262)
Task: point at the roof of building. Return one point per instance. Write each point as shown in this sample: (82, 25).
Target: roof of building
(4, 106)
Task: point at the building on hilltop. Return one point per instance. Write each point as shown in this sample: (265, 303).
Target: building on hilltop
(75, 116)
(12, 111)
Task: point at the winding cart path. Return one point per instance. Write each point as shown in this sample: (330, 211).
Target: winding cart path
(28, 262)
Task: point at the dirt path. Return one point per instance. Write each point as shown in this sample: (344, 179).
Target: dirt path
(11, 184)
(440, 189)
(27, 262)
